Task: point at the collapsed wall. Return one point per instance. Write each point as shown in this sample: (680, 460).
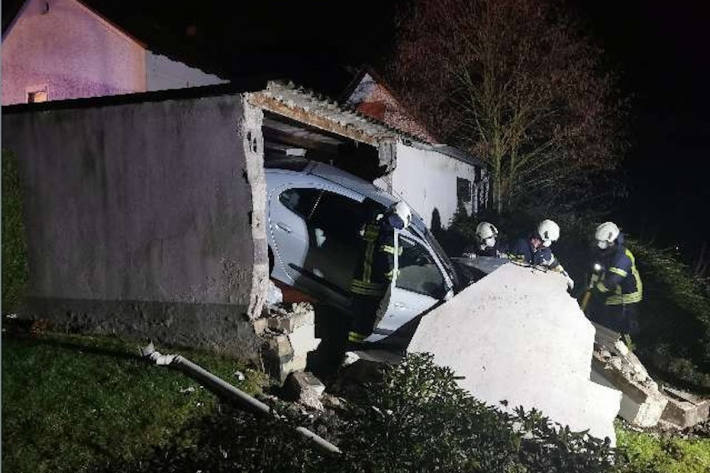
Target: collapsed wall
(517, 336)
(144, 215)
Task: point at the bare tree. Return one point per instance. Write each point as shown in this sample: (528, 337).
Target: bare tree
(517, 84)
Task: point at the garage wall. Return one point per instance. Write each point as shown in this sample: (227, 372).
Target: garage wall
(427, 181)
(141, 217)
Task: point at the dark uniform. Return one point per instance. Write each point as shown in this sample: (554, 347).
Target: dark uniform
(619, 291)
(523, 251)
(372, 277)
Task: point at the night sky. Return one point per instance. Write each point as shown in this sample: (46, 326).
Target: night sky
(660, 49)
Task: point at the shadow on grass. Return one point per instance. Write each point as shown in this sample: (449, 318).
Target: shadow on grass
(232, 440)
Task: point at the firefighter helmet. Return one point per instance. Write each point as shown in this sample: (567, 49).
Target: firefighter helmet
(606, 234)
(400, 215)
(487, 233)
(548, 231)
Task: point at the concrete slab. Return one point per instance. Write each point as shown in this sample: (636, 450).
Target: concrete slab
(684, 409)
(516, 335)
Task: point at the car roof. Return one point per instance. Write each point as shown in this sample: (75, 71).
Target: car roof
(342, 178)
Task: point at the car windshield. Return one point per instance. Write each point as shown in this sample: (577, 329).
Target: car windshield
(448, 265)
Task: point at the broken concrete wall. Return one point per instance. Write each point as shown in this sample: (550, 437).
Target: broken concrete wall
(144, 215)
(517, 336)
(288, 331)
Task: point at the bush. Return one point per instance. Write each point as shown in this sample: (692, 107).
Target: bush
(14, 245)
(415, 419)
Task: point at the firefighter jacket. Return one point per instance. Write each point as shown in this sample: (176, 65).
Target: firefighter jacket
(523, 251)
(620, 284)
(375, 268)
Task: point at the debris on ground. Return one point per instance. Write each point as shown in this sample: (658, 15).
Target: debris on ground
(306, 389)
(685, 409)
(517, 336)
(643, 404)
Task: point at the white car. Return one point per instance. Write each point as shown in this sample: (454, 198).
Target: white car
(315, 213)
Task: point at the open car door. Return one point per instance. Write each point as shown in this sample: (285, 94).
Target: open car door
(419, 285)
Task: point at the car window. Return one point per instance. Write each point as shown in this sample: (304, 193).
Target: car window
(418, 271)
(300, 201)
(333, 222)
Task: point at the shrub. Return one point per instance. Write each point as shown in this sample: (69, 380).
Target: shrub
(14, 245)
(415, 419)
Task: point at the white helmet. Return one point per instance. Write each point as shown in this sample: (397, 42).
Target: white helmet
(487, 233)
(400, 215)
(548, 231)
(606, 235)
(486, 230)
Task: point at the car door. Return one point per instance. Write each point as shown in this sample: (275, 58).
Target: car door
(315, 232)
(420, 284)
(289, 233)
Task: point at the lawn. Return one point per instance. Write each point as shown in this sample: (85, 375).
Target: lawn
(77, 403)
(651, 452)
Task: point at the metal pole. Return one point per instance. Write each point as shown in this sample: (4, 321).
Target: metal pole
(217, 384)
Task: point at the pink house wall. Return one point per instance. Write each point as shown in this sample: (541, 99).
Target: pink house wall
(71, 51)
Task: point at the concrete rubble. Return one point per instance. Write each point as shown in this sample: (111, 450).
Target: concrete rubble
(684, 409)
(288, 331)
(305, 389)
(516, 335)
(644, 403)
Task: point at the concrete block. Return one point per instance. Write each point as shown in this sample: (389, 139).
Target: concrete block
(303, 339)
(516, 335)
(641, 403)
(684, 409)
(280, 346)
(306, 389)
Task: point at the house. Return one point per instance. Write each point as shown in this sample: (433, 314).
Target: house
(434, 178)
(62, 49)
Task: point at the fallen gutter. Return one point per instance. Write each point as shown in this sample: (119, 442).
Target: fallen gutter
(219, 386)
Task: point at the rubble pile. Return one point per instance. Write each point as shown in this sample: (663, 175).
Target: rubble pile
(644, 403)
(288, 331)
(517, 336)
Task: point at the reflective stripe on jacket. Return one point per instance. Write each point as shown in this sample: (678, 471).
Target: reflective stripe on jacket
(374, 273)
(621, 283)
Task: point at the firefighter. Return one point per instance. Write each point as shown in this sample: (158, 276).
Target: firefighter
(486, 242)
(618, 290)
(536, 250)
(376, 269)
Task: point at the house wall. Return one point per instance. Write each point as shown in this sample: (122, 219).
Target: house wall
(427, 181)
(70, 51)
(163, 73)
(146, 218)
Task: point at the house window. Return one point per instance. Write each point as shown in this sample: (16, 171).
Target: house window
(463, 190)
(36, 96)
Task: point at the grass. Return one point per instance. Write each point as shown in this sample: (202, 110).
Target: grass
(649, 452)
(77, 403)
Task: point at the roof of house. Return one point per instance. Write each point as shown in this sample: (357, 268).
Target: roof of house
(17, 6)
(299, 103)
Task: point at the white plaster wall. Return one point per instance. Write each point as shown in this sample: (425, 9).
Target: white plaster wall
(70, 50)
(427, 181)
(164, 73)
